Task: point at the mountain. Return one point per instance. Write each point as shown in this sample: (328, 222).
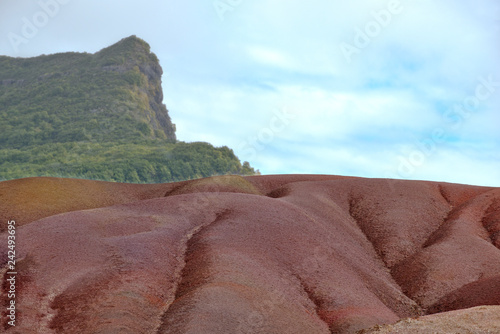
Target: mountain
(98, 116)
(254, 254)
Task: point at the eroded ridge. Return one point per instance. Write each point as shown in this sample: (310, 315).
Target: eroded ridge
(318, 254)
(184, 280)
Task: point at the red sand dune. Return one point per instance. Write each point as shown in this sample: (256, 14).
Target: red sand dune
(261, 254)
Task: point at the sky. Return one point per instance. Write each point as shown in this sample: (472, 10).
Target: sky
(371, 88)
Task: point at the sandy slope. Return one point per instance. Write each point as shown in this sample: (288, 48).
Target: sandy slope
(476, 320)
(262, 254)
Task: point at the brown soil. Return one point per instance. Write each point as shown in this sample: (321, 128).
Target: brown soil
(262, 254)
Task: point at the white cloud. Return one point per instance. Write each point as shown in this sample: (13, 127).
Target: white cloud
(226, 79)
(270, 57)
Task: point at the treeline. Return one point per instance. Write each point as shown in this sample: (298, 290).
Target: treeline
(147, 162)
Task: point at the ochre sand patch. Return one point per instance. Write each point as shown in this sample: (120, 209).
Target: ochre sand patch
(29, 199)
(260, 254)
(476, 320)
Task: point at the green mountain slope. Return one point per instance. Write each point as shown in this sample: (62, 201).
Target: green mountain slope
(97, 116)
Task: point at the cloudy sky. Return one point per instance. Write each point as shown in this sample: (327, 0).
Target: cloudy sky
(394, 89)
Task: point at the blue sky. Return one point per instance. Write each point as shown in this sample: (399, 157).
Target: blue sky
(399, 89)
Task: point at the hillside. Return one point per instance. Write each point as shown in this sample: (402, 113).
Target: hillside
(98, 116)
(256, 254)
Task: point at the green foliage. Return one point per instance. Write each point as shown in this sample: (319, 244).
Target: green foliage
(97, 116)
(150, 161)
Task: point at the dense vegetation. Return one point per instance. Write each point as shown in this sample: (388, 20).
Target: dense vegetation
(149, 161)
(97, 116)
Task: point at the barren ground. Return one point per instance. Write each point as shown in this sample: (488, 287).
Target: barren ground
(260, 254)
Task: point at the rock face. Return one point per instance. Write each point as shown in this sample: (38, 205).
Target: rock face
(139, 60)
(114, 94)
(257, 254)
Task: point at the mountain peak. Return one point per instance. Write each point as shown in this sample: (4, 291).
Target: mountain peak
(128, 43)
(129, 50)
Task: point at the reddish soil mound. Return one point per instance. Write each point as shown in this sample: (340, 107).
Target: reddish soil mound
(482, 292)
(215, 184)
(459, 252)
(318, 254)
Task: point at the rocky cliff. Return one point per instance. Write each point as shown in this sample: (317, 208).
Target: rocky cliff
(133, 55)
(114, 94)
